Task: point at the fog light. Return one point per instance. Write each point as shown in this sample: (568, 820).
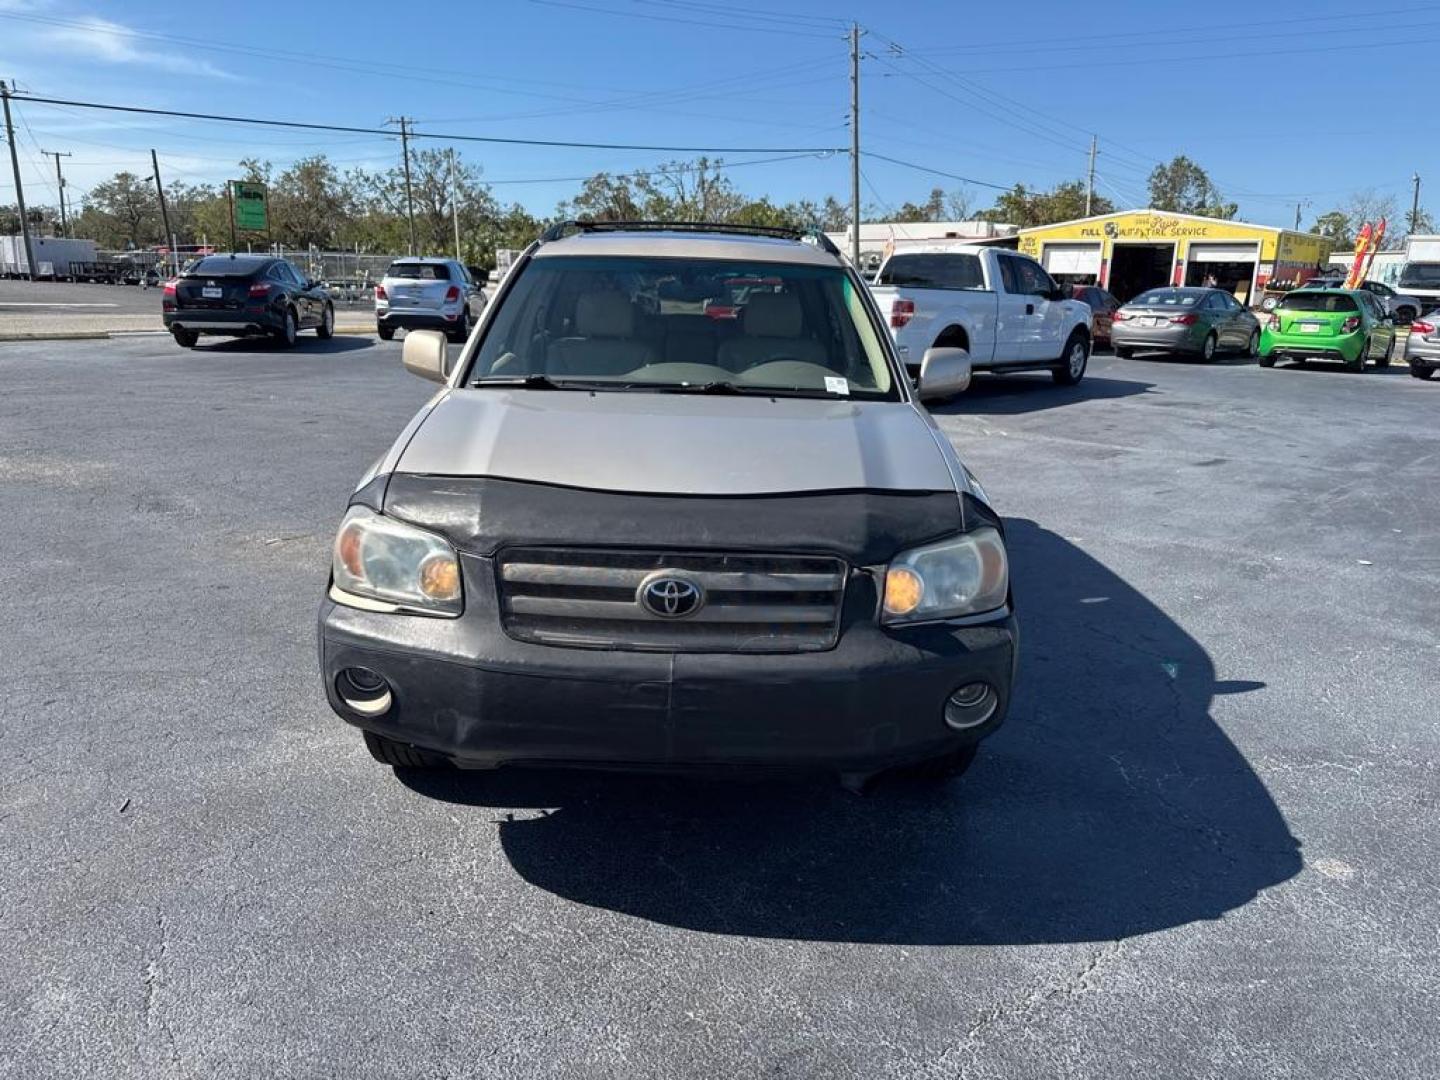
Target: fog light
(363, 691)
(971, 705)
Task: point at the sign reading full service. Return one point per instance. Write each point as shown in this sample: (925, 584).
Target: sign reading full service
(251, 206)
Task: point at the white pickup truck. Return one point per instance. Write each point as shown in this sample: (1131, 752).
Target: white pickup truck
(999, 306)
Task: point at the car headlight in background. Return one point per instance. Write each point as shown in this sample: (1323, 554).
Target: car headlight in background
(964, 575)
(380, 558)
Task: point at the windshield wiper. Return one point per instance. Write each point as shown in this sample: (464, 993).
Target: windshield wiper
(535, 382)
(724, 387)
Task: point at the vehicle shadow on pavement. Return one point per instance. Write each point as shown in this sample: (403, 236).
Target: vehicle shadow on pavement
(307, 345)
(1010, 395)
(1110, 805)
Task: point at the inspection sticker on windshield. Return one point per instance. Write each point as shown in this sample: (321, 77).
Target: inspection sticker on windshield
(834, 384)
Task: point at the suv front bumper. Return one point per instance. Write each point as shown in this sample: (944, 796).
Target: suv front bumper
(465, 690)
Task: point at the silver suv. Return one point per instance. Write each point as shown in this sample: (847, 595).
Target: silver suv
(428, 294)
(676, 505)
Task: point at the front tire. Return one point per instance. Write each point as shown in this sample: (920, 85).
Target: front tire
(1073, 361)
(285, 336)
(400, 755)
(186, 339)
(326, 330)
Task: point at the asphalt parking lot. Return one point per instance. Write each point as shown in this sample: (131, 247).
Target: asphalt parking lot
(1205, 844)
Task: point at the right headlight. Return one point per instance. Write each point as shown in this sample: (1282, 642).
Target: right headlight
(382, 559)
(964, 575)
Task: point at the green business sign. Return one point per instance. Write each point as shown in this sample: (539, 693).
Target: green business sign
(250, 206)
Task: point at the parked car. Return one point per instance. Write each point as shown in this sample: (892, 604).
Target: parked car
(999, 306)
(623, 537)
(1422, 348)
(427, 293)
(1184, 319)
(1349, 325)
(1404, 307)
(1102, 310)
(1422, 281)
(245, 296)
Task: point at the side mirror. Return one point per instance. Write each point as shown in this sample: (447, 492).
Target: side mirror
(427, 354)
(943, 373)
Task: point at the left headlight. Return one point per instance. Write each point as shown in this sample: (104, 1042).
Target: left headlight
(964, 575)
(382, 559)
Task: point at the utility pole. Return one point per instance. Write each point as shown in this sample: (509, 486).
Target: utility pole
(455, 203)
(1415, 204)
(1297, 217)
(1090, 183)
(164, 212)
(855, 145)
(60, 182)
(19, 189)
(404, 123)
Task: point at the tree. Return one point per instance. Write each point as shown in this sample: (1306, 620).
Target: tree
(121, 212)
(603, 197)
(1027, 209)
(829, 216)
(1183, 187)
(1336, 226)
(1366, 206)
(932, 209)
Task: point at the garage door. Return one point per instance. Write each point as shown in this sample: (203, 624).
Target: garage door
(1223, 252)
(1072, 259)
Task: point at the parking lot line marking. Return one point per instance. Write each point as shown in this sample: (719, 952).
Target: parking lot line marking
(46, 303)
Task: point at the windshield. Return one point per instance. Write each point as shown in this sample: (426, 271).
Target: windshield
(1318, 301)
(935, 270)
(419, 271)
(1168, 298)
(1424, 274)
(690, 325)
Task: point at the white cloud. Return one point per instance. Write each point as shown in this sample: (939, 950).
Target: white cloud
(113, 43)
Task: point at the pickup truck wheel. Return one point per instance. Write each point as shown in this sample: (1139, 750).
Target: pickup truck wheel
(400, 755)
(1422, 372)
(1073, 360)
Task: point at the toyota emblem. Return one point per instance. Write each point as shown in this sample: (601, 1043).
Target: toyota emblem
(670, 597)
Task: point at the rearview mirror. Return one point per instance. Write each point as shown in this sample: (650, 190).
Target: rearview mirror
(426, 354)
(943, 373)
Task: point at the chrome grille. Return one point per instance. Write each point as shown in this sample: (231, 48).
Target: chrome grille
(591, 599)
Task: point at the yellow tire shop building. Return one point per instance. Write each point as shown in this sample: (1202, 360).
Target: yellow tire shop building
(1130, 251)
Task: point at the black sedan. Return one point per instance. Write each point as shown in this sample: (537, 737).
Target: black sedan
(245, 296)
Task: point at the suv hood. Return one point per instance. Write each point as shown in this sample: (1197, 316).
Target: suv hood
(679, 444)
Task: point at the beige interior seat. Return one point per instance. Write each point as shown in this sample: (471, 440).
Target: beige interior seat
(605, 341)
(771, 329)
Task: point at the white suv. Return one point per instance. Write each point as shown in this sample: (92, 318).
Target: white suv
(428, 294)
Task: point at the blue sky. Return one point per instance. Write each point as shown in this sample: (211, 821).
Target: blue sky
(998, 93)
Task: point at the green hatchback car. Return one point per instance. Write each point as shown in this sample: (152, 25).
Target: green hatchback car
(1348, 325)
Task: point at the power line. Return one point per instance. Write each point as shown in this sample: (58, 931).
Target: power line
(709, 25)
(436, 135)
(638, 173)
(936, 172)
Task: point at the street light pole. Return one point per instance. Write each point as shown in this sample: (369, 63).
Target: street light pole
(855, 145)
(455, 203)
(1415, 204)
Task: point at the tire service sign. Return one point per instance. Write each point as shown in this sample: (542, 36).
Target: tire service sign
(251, 207)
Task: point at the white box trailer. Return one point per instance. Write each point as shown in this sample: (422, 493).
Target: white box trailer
(1423, 249)
(53, 255)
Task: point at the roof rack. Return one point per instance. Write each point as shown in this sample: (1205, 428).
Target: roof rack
(780, 232)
